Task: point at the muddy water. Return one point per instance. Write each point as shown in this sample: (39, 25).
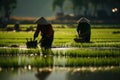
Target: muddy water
(54, 69)
(62, 73)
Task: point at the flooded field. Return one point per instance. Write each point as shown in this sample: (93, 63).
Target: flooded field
(59, 67)
(28, 67)
(61, 73)
(67, 60)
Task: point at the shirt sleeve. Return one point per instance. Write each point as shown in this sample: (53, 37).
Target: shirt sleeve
(36, 32)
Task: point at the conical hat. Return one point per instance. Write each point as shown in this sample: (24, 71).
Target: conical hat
(81, 20)
(42, 21)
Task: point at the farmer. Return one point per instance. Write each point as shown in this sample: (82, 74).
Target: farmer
(16, 26)
(84, 29)
(47, 33)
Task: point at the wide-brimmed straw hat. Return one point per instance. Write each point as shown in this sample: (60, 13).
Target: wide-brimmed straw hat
(42, 21)
(82, 20)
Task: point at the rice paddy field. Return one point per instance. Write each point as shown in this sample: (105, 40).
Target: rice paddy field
(67, 59)
(63, 37)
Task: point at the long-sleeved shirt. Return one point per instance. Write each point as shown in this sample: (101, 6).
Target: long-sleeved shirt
(46, 30)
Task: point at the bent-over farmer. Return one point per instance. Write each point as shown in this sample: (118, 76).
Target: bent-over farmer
(47, 33)
(84, 29)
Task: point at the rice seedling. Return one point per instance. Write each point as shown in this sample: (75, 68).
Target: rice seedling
(91, 53)
(77, 62)
(96, 44)
(18, 51)
(9, 51)
(22, 61)
(63, 37)
(103, 50)
(8, 61)
(77, 52)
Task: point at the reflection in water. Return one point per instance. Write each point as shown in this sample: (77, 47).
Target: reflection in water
(96, 75)
(61, 73)
(42, 74)
(59, 61)
(52, 68)
(5, 75)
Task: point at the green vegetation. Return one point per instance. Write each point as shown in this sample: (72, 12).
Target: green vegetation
(84, 52)
(93, 62)
(89, 53)
(103, 50)
(22, 61)
(64, 37)
(18, 51)
(38, 61)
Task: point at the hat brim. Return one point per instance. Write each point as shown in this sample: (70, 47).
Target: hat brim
(82, 20)
(42, 21)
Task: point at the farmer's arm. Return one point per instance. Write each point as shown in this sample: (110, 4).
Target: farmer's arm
(78, 29)
(36, 33)
(87, 31)
(50, 31)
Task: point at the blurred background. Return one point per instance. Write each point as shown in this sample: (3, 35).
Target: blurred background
(59, 11)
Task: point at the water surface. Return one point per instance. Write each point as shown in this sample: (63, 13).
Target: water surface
(61, 73)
